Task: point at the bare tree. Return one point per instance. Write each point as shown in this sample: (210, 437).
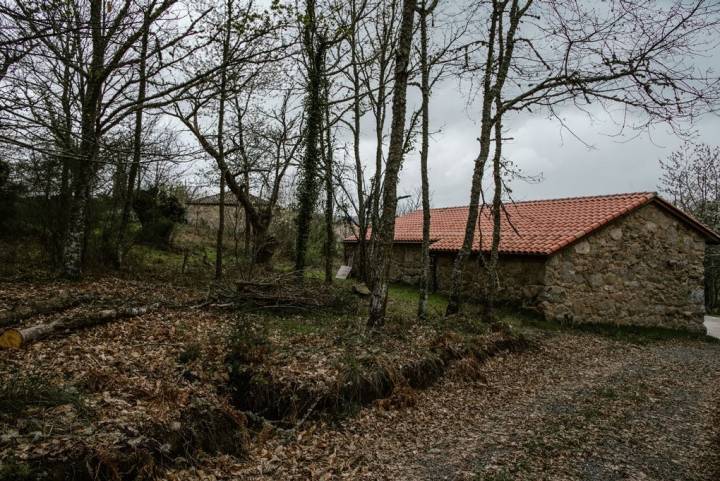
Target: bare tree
(550, 54)
(691, 178)
(91, 51)
(434, 65)
(241, 64)
(137, 152)
(360, 200)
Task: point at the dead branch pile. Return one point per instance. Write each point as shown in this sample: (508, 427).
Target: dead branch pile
(282, 291)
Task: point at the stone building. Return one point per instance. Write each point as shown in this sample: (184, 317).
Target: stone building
(630, 259)
(204, 212)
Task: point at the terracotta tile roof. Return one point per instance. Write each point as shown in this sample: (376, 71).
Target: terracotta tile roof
(539, 227)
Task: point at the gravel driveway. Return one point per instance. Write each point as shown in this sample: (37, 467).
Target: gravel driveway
(578, 407)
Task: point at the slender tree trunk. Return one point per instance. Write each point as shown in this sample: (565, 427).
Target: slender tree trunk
(220, 231)
(61, 222)
(380, 113)
(120, 248)
(425, 184)
(248, 226)
(497, 68)
(68, 150)
(220, 138)
(329, 215)
(386, 229)
(379, 127)
(476, 184)
(491, 282)
(360, 257)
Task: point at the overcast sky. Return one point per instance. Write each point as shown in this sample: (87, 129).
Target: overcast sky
(540, 147)
(565, 165)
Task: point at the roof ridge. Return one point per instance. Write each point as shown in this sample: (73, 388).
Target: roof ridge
(557, 199)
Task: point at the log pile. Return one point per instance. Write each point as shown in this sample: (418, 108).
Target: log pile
(16, 338)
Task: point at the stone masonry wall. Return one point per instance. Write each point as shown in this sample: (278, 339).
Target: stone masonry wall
(645, 269)
(520, 277)
(208, 217)
(404, 262)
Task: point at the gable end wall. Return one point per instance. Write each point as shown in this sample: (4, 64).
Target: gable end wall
(645, 269)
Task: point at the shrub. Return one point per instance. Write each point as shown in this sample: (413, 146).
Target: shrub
(159, 212)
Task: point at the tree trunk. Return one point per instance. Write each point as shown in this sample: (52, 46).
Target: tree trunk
(380, 110)
(82, 178)
(491, 282)
(329, 227)
(120, 248)
(220, 231)
(248, 226)
(476, 184)
(220, 139)
(360, 257)
(308, 189)
(386, 229)
(425, 184)
(491, 94)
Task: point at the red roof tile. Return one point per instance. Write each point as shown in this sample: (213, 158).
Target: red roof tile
(539, 227)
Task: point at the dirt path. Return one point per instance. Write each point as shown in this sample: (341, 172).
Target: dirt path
(580, 407)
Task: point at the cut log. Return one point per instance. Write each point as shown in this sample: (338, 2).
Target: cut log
(16, 338)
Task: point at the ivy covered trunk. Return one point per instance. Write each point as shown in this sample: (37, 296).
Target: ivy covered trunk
(309, 168)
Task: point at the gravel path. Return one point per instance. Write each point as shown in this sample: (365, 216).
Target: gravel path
(579, 407)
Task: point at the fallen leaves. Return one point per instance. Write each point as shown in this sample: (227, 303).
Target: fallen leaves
(575, 407)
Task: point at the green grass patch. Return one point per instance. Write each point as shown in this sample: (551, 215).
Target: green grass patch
(403, 301)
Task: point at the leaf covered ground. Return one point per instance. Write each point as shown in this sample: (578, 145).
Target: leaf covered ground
(575, 406)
